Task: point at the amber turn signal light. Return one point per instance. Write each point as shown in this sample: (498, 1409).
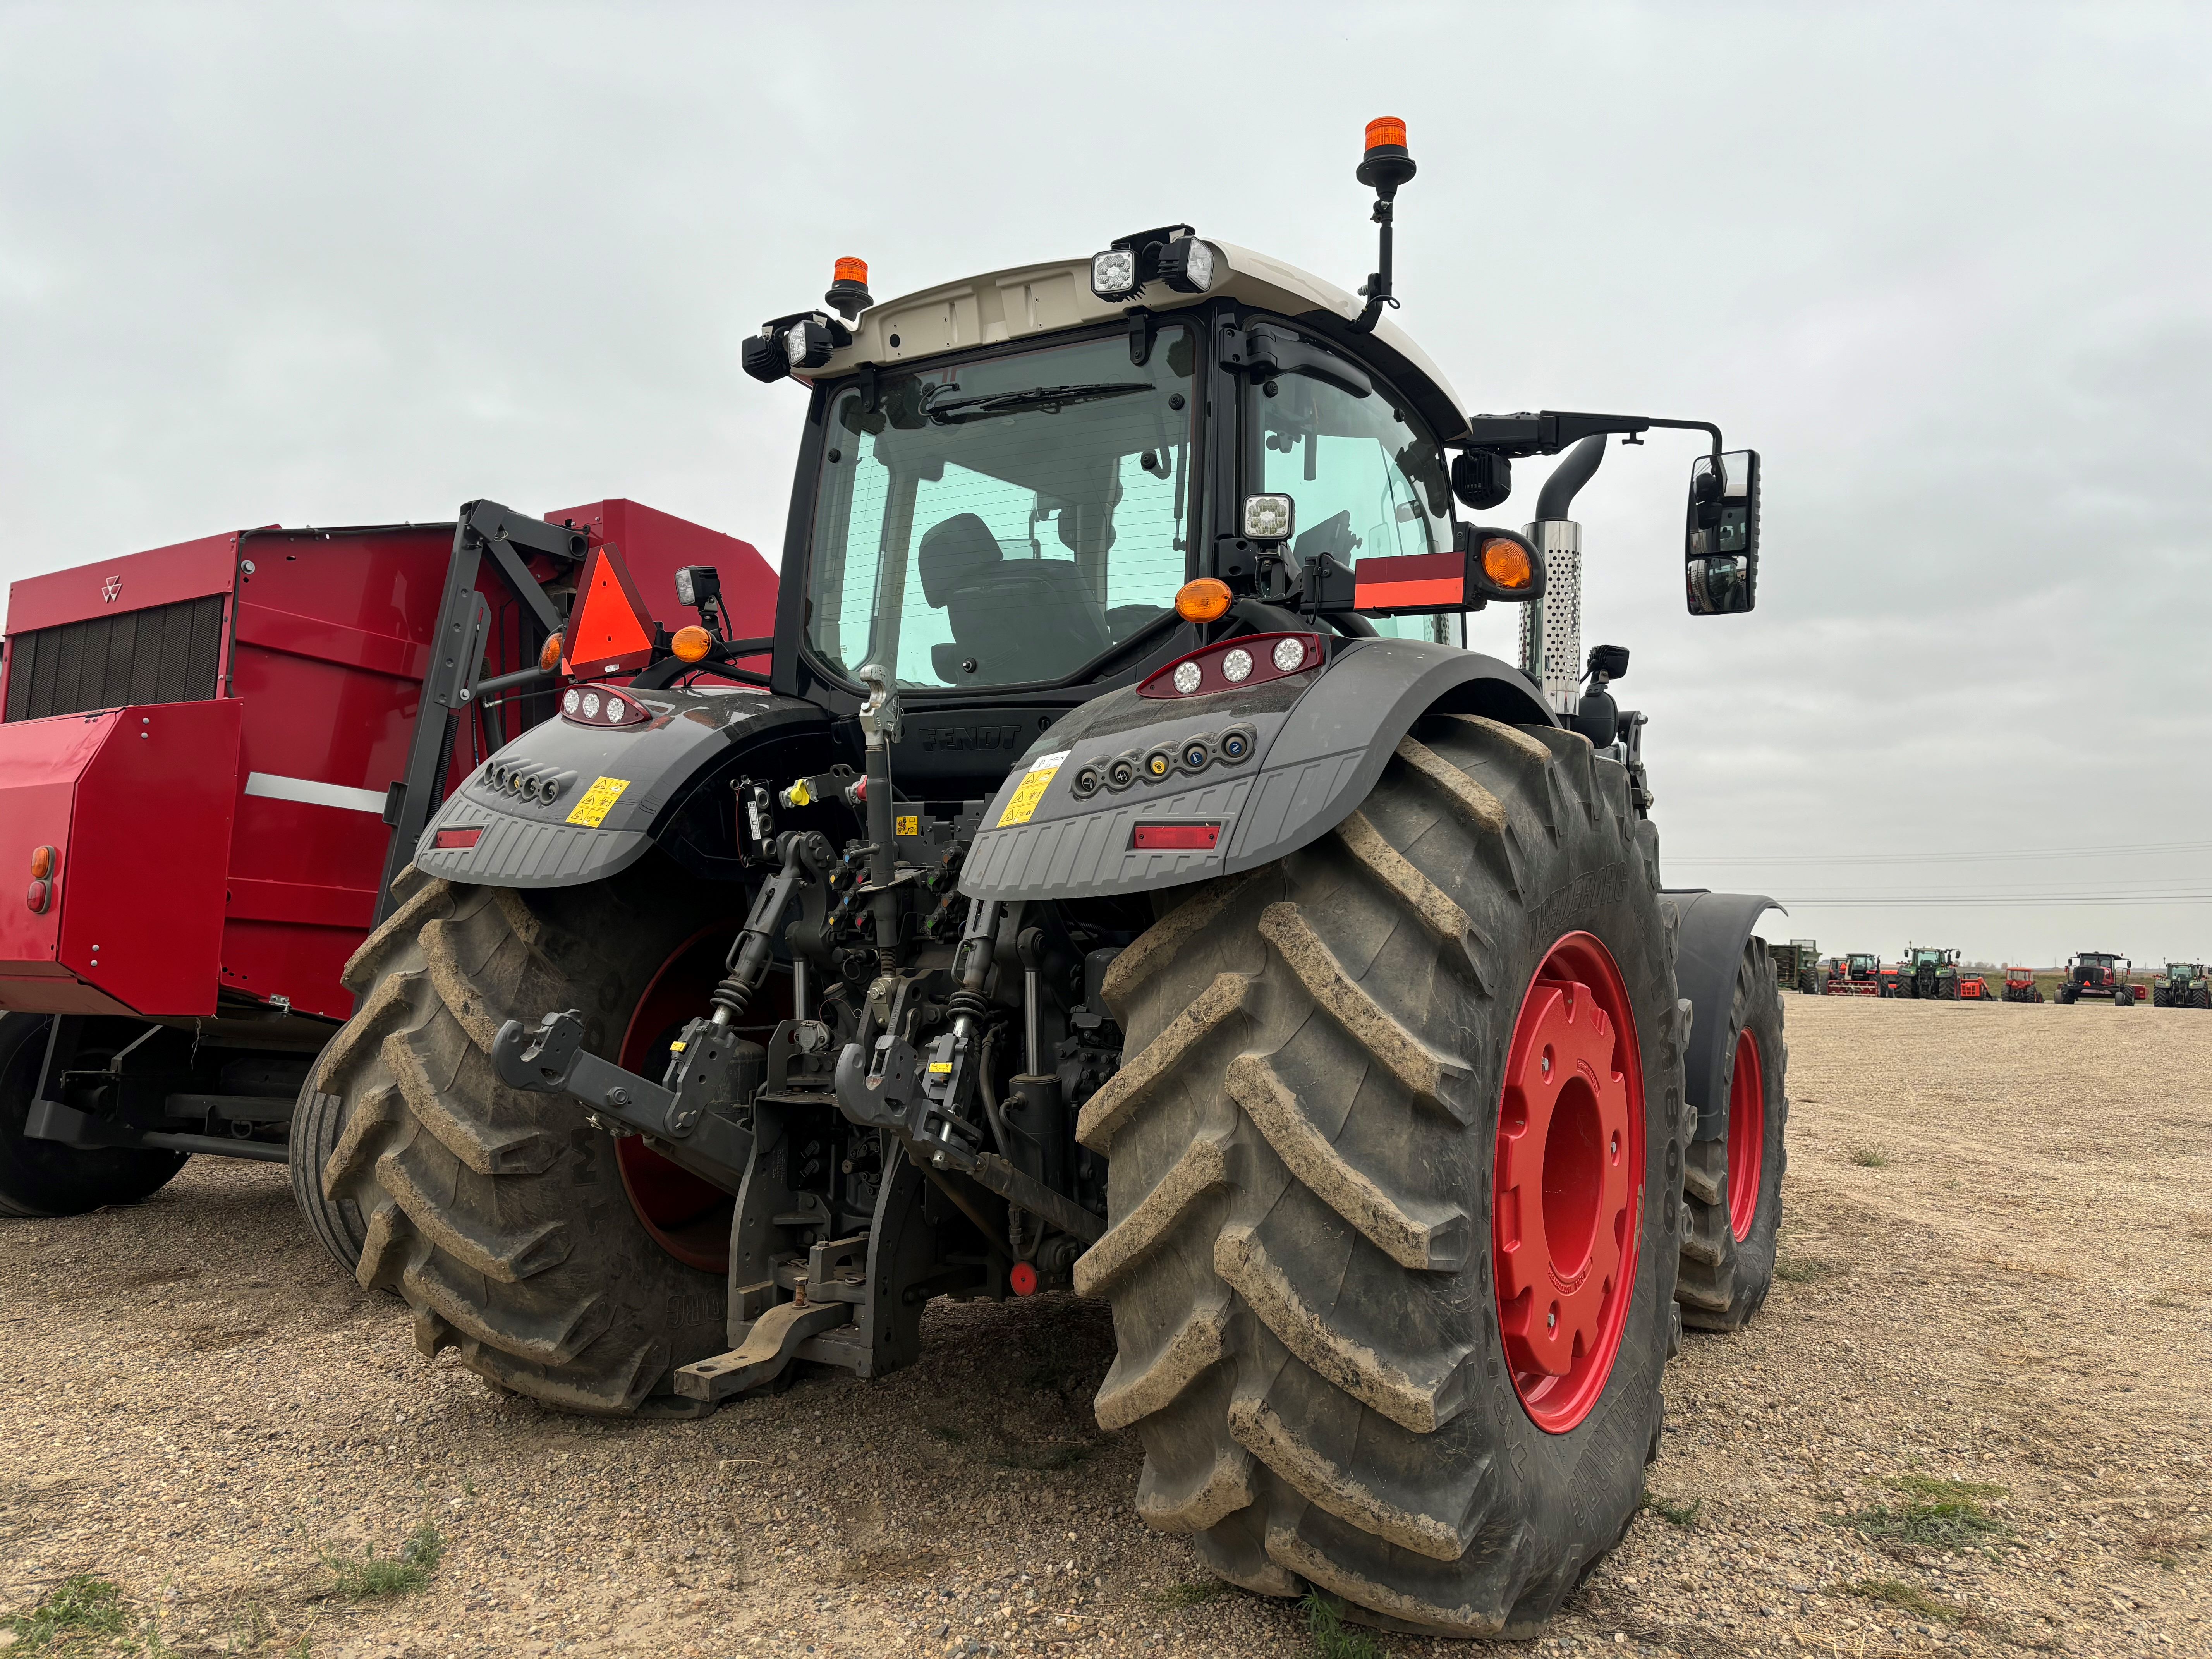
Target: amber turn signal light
(692, 643)
(1506, 564)
(42, 863)
(1203, 600)
(549, 654)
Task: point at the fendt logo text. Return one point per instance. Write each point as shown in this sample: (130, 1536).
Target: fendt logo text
(109, 589)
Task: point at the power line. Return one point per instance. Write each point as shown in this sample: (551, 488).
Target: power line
(2025, 901)
(2141, 849)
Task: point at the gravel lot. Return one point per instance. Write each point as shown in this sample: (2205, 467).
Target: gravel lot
(1999, 1225)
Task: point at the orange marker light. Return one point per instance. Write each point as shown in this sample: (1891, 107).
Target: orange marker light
(42, 863)
(1506, 564)
(692, 643)
(849, 270)
(1386, 130)
(1203, 600)
(549, 654)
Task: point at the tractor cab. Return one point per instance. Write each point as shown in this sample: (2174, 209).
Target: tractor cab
(2097, 974)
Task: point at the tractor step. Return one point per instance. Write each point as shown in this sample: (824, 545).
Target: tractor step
(768, 1348)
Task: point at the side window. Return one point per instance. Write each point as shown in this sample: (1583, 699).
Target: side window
(1368, 480)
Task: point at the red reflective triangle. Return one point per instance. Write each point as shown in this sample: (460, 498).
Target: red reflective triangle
(608, 630)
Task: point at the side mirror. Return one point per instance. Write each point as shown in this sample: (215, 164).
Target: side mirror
(1721, 538)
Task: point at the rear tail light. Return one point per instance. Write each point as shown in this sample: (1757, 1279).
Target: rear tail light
(1247, 660)
(585, 705)
(1175, 837)
(40, 895)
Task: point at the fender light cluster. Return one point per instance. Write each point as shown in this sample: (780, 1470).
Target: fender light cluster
(1236, 663)
(584, 707)
(46, 867)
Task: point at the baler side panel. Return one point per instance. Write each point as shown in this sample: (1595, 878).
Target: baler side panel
(331, 643)
(141, 898)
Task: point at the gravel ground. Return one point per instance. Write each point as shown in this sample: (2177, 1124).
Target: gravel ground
(1998, 1227)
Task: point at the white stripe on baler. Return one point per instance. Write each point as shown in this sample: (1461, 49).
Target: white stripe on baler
(277, 787)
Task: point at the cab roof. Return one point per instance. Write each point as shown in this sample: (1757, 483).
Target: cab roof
(1025, 300)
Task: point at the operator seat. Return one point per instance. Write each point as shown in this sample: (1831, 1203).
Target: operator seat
(1019, 619)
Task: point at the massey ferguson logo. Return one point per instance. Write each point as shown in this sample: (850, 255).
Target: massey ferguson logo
(110, 589)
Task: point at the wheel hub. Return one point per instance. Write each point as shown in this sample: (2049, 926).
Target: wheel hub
(1746, 1136)
(1568, 1181)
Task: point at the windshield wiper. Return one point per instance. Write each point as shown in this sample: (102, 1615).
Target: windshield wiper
(953, 412)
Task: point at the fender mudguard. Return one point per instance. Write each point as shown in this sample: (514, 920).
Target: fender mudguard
(1711, 929)
(1320, 742)
(618, 788)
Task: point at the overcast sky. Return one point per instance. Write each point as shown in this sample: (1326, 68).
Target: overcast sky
(1948, 268)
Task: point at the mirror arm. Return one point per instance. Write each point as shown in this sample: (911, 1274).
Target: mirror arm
(1552, 430)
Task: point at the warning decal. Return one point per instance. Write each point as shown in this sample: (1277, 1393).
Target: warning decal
(1031, 790)
(597, 801)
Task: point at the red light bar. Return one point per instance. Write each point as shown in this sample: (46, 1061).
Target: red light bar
(1175, 837)
(1419, 581)
(457, 839)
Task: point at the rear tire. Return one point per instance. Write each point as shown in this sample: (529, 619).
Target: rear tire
(40, 1179)
(1728, 1252)
(1304, 1137)
(499, 1216)
(2200, 997)
(2160, 997)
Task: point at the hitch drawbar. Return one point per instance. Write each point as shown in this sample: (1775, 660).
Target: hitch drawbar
(686, 1130)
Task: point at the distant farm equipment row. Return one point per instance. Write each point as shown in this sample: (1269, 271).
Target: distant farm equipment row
(1934, 973)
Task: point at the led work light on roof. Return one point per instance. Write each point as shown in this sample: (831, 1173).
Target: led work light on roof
(1171, 254)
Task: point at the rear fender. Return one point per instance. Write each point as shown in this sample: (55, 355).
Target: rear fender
(1320, 744)
(621, 790)
(1712, 932)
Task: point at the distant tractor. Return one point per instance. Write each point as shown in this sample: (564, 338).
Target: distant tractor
(2019, 986)
(1972, 987)
(2183, 985)
(1797, 967)
(2097, 974)
(1927, 975)
(1857, 974)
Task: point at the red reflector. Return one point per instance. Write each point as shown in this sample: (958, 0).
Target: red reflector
(457, 838)
(36, 896)
(1174, 837)
(1418, 582)
(1022, 1279)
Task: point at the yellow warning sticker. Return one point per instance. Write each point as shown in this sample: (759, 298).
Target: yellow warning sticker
(1031, 790)
(910, 825)
(941, 1065)
(598, 801)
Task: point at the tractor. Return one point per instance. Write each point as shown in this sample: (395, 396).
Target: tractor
(297, 701)
(1927, 973)
(1797, 967)
(2097, 974)
(1123, 879)
(1857, 974)
(2183, 985)
(2019, 986)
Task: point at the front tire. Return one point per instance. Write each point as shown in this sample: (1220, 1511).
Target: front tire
(1732, 1186)
(1308, 1249)
(500, 1217)
(40, 1179)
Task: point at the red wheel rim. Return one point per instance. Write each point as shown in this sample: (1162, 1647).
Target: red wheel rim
(687, 1217)
(1567, 1182)
(1747, 1145)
